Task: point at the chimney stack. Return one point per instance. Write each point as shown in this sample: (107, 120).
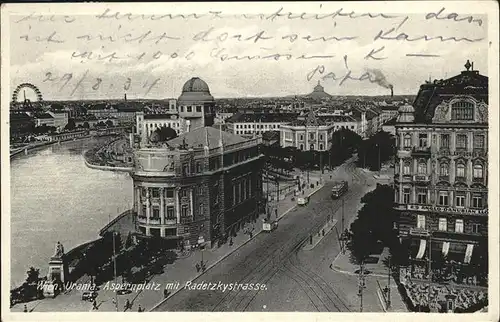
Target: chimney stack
(472, 66)
(392, 92)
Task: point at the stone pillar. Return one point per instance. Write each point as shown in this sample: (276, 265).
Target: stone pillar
(162, 206)
(400, 180)
(178, 204)
(452, 142)
(137, 199)
(191, 202)
(469, 171)
(451, 171)
(148, 205)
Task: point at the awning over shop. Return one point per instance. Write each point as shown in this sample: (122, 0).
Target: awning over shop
(446, 248)
(421, 249)
(468, 253)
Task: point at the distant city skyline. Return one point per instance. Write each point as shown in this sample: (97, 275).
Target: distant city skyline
(206, 48)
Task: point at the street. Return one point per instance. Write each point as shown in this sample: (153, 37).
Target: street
(295, 280)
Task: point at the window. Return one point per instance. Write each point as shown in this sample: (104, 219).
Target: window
(477, 201)
(443, 226)
(407, 141)
(443, 169)
(321, 146)
(302, 147)
(184, 193)
(422, 196)
(479, 141)
(443, 198)
(461, 141)
(445, 141)
(170, 212)
(421, 221)
(311, 147)
(184, 211)
(311, 136)
(198, 166)
(182, 108)
(185, 168)
(475, 228)
(155, 192)
(302, 137)
(478, 171)
(171, 232)
(321, 137)
(422, 140)
(459, 226)
(460, 200)
(144, 211)
(189, 109)
(406, 168)
(155, 232)
(156, 212)
(462, 111)
(200, 209)
(186, 229)
(422, 167)
(198, 109)
(406, 195)
(461, 170)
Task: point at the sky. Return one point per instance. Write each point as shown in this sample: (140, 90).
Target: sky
(95, 54)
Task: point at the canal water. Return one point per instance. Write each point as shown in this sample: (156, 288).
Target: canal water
(55, 197)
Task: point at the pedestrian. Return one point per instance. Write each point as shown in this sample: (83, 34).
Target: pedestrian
(25, 309)
(166, 293)
(140, 309)
(94, 305)
(128, 305)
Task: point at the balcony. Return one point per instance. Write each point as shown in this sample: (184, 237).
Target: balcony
(444, 178)
(478, 180)
(461, 179)
(170, 221)
(421, 232)
(479, 153)
(142, 219)
(154, 221)
(402, 154)
(422, 178)
(419, 151)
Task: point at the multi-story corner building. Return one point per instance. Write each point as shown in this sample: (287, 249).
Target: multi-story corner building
(308, 134)
(201, 186)
(441, 177)
(258, 123)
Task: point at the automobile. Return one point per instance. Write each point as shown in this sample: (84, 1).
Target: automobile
(302, 201)
(89, 295)
(269, 225)
(124, 291)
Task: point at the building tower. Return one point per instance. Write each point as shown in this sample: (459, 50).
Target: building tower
(196, 104)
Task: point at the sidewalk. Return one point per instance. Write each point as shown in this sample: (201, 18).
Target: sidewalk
(181, 271)
(322, 233)
(378, 272)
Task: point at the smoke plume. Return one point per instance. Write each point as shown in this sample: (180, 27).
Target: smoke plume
(377, 77)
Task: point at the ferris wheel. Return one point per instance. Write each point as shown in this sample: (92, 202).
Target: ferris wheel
(26, 102)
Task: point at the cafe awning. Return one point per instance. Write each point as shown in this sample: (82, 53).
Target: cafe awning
(421, 249)
(446, 248)
(468, 253)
